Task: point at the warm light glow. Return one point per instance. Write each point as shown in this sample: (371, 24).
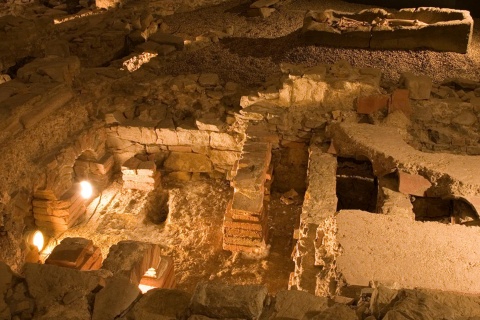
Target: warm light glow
(86, 189)
(135, 62)
(152, 273)
(76, 16)
(38, 240)
(144, 288)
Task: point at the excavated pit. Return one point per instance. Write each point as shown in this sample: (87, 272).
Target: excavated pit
(217, 158)
(357, 186)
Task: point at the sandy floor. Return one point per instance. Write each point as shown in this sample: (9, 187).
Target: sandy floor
(192, 233)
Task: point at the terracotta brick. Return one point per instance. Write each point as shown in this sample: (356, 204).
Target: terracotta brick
(372, 104)
(400, 101)
(70, 252)
(412, 184)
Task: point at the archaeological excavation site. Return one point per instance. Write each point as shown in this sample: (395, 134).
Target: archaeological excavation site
(239, 159)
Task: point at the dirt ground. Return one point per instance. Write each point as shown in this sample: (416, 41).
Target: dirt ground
(192, 233)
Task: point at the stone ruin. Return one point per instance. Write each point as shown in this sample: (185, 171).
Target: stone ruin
(385, 177)
(408, 29)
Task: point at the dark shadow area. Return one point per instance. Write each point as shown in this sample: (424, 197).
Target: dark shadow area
(455, 211)
(274, 48)
(357, 186)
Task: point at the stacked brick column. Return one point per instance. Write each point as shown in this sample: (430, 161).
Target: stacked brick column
(245, 224)
(56, 216)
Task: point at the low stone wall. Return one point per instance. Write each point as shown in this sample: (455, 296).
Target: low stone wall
(431, 28)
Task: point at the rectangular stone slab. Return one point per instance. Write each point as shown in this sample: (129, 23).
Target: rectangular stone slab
(392, 249)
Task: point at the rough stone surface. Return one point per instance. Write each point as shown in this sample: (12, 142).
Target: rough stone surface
(49, 285)
(438, 252)
(223, 301)
(188, 162)
(293, 304)
(420, 86)
(117, 295)
(161, 304)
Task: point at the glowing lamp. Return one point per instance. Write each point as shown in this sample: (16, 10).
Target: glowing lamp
(86, 189)
(36, 239)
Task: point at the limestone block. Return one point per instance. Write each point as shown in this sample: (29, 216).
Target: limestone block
(193, 137)
(420, 86)
(107, 4)
(166, 136)
(433, 247)
(408, 302)
(224, 301)
(117, 295)
(188, 162)
(210, 124)
(294, 304)
(445, 30)
(338, 312)
(260, 12)
(131, 259)
(168, 39)
(413, 184)
(227, 158)
(137, 132)
(49, 285)
(320, 197)
(372, 104)
(263, 3)
(161, 304)
(250, 202)
(209, 80)
(396, 203)
(51, 101)
(56, 68)
(465, 118)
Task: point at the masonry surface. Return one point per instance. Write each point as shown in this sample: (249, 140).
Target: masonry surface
(241, 160)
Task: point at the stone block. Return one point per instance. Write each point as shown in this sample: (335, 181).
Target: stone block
(226, 158)
(51, 101)
(400, 101)
(167, 39)
(224, 141)
(263, 3)
(131, 259)
(249, 202)
(49, 285)
(116, 297)
(224, 301)
(137, 131)
(161, 304)
(412, 184)
(209, 80)
(193, 137)
(188, 162)
(372, 104)
(294, 304)
(108, 4)
(442, 30)
(432, 246)
(420, 86)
